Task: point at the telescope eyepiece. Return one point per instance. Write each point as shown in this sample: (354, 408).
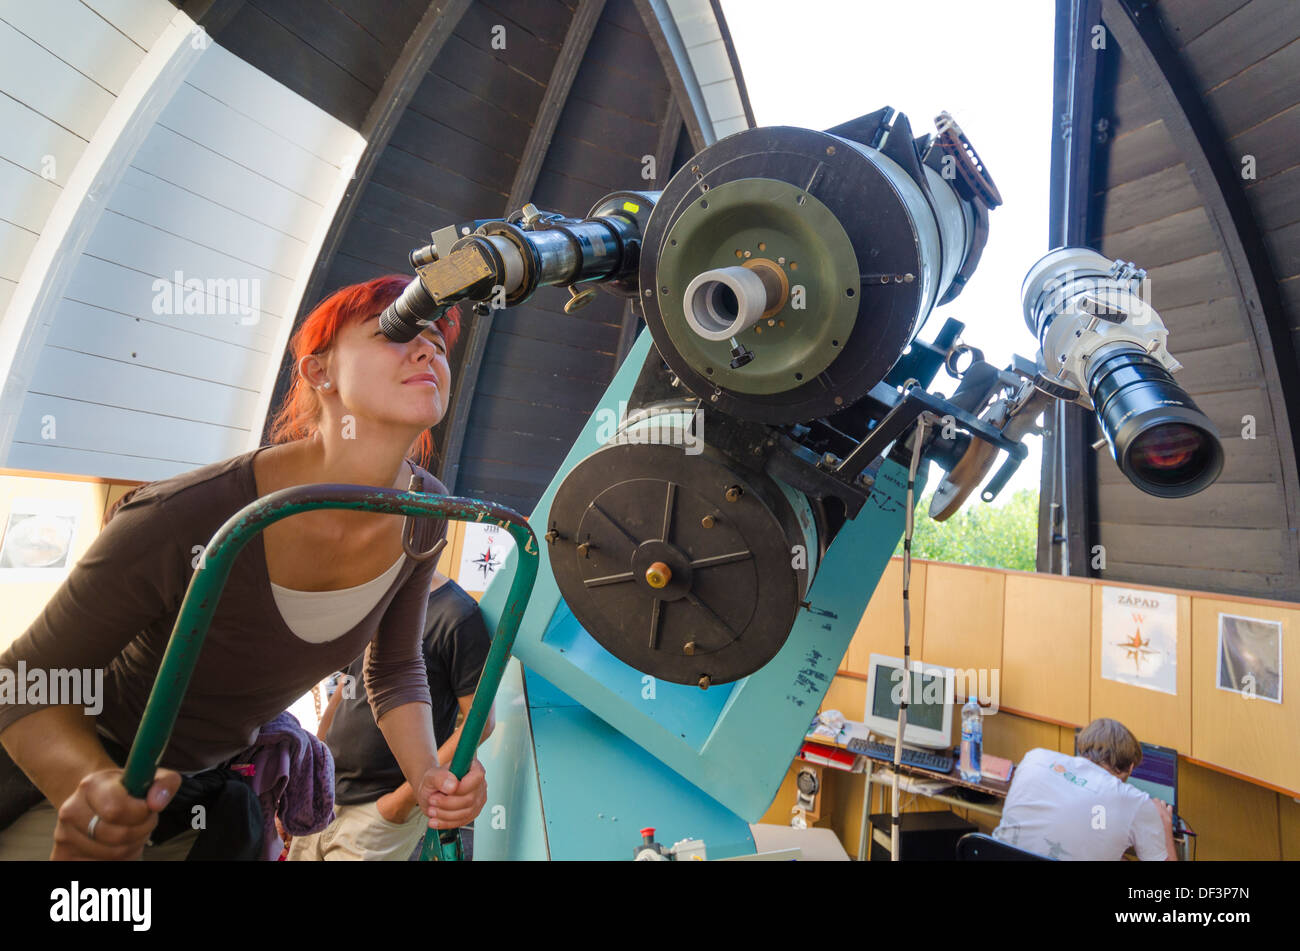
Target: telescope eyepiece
(406, 317)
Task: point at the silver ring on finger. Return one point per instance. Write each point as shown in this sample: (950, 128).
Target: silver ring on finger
(90, 829)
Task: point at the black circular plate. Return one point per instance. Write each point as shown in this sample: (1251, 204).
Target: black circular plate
(730, 594)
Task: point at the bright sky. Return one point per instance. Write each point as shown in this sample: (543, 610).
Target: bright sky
(988, 64)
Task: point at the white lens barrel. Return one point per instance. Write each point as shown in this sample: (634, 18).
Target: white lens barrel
(724, 302)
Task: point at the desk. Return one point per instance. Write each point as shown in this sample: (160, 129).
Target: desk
(880, 773)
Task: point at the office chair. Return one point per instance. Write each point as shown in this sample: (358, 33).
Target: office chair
(978, 847)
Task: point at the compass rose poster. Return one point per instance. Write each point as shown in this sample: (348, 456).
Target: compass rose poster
(1139, 638)
(482, 553)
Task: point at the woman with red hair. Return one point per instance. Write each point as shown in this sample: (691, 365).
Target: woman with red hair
(304, 598)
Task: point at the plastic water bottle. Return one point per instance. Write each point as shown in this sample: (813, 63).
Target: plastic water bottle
(972, 741)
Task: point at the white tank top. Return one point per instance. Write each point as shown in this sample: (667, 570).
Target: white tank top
(320, 616)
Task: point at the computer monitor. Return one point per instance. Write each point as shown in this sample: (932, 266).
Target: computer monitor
(1156, 775)
(929, 708)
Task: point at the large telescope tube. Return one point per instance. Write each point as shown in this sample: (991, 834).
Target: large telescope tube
(785, 270)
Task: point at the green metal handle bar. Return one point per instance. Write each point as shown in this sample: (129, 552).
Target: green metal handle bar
(209, 580)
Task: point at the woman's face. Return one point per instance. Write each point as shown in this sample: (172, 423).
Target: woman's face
(397, 383)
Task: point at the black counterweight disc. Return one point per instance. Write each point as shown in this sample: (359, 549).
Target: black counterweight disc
(726, 602)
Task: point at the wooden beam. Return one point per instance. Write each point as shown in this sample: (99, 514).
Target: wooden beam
(1137, 29)
(426, 41)
(563, 73)
(661, 26)
(1065, 512)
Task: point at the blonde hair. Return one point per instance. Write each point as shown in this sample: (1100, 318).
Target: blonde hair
(1109, 743)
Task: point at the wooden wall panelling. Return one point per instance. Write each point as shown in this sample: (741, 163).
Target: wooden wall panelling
(1011, 736)
(963, 618)
(881, 629)
(1046, 647)
(1256, 738)
(1232, 819)
(1288, 820)
(1188, 19)
(1154, 717)
(1242, 38)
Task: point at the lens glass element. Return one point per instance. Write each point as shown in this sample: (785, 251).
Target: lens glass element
(1169, 454)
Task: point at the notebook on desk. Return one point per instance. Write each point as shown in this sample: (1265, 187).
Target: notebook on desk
(995, 767)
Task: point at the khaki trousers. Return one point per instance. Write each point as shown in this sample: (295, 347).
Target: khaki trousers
(31, 838)
(360, 834)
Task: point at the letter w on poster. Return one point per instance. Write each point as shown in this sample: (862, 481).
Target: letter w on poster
(1139, 638)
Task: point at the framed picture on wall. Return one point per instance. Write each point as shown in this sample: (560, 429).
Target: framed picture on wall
(1250, 657)
(37, 541)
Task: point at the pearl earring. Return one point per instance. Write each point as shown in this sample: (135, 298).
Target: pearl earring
(327, 385)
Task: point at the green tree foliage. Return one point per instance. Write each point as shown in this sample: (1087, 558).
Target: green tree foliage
(993, 536)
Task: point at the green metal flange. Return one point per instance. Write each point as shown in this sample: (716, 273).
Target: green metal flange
(759, 218)
(207, 583)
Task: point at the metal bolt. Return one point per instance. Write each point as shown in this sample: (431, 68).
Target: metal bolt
(733, 493)
(708, 521)
(830, 459)
(552, 536)
(704, 682)
(839, 401)
(830, 150)
(689, 649)
(674, 382)
(713, 398)
(584, 548)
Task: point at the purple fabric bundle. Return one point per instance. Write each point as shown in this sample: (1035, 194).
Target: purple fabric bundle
(294, 779)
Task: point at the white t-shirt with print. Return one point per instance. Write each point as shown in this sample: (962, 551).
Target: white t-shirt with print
(1067, 807)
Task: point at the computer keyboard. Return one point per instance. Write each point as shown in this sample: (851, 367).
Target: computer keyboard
(938, 762)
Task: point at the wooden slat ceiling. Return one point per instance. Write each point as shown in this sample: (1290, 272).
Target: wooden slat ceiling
(1244, 57)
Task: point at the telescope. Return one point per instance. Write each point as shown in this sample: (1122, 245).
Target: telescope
(784, 275)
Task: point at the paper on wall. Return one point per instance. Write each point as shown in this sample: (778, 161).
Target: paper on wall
(1139, 638)
(483, 552)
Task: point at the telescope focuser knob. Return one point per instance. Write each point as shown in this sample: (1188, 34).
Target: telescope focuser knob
(530, 216)
(578, 299)
(658, 575)
(740, 355)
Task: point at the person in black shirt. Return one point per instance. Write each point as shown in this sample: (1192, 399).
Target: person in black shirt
(377, 816)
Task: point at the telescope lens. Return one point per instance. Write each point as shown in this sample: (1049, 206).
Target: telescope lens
(1162, 442)
(1167, 450)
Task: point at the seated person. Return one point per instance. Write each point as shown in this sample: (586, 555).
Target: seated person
(377, 816)
(1081, 807)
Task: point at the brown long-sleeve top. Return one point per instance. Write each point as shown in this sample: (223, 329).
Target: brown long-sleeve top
(118, 605)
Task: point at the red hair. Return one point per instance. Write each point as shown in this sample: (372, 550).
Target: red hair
(299, 417)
